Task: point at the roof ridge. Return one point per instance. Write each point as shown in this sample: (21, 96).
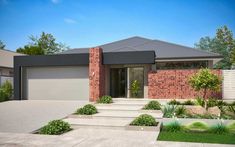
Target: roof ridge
(199, 50)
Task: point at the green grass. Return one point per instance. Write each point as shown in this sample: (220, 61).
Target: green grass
(197, 137)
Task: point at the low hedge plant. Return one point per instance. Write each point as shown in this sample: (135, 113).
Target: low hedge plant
(197, 126)
(106, 99)
(87, 110)
(55, 127)
(152, 105)
(144, 120)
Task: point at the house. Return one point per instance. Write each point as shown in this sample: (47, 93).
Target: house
(6, 65)
(110, 69)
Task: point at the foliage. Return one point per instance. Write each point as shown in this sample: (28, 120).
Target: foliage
(173, 127)
(169, 110)
(197, 126)
(200, 101)
(153, 105)
(31, 50)
(135, 88)
(211, 102)
(46, 44)
(180, 111)
(6, 91)
(219, 128)
(55, 127)
(231, 127)
(87, 110)
(188, 102)
(144, 120)
(173, 102)
(223, 43)
(205, 80)
(231, 109)
(2, 45)
(106, 99)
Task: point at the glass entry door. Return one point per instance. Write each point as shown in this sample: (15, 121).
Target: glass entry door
(136, 82)
(118, 82)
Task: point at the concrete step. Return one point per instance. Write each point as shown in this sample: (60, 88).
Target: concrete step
(120, 107)
(125, 114)
(98, 122)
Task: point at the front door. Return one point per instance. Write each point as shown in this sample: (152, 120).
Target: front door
(118, 82)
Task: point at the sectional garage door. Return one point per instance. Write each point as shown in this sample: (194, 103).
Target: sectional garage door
(57, 83)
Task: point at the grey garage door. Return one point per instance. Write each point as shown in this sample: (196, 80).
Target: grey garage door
(57, 83)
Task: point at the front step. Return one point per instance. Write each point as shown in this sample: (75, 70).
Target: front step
(98, 122)
(111, 107)
(125, 114)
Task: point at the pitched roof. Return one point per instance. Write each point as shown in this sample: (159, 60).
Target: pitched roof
(163, 50)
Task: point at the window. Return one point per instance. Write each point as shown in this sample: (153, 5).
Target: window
(182, 65)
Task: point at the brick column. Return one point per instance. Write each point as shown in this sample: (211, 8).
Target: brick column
(96, 74)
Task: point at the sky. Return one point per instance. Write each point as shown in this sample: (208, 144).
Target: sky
(87, 23)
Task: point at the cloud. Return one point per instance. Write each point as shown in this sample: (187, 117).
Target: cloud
(70, 21)
(55, 1)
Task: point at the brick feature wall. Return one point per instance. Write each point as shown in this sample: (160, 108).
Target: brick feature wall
(172, 84)
(96, 74)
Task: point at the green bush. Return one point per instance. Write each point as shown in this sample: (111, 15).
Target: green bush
(231, 109)
(219, 128)
(55, 127)
(197, 126)
(106, 99)
(153, 105)
(144, 120)
(180, 111)
(6, 91)
(87, 110)
(173, 127)
(231, 127)
(135, 88)
(188, 102)
(211, 102)
(169, 110)
(200, 101)
(173, 102)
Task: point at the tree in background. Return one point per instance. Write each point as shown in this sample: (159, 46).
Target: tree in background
(2, 45)
(45, 45)
(223, 43)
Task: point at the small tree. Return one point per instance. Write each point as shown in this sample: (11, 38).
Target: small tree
(135, 88)
(205, 80)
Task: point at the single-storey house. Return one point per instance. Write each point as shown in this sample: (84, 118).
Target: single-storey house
(111, 69)
(6, 65)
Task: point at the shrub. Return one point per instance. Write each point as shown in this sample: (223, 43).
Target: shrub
(219, 128)
(231, 127)
(173, 102)
(197, 126)
(106, 99)
(6, 91)
(173, 127)
(211, 102)
(55, 127)
(200, 101)
(87, 110)
(153, 105)
(181, 110)
(144, 120)
(169, 110)
(188, 102)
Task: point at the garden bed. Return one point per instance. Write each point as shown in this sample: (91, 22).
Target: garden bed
(144, 128)
(196, 137)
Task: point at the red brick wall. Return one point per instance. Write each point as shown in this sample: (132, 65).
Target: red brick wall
(96, 74)
(171, 84)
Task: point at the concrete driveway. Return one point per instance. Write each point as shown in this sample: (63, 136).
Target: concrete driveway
(29, 115)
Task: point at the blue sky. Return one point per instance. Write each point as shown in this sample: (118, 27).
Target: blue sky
(84, 23)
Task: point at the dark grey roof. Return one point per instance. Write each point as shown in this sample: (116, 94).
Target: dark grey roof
(163, 50)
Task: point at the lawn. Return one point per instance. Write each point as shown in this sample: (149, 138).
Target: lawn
(197, 137)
